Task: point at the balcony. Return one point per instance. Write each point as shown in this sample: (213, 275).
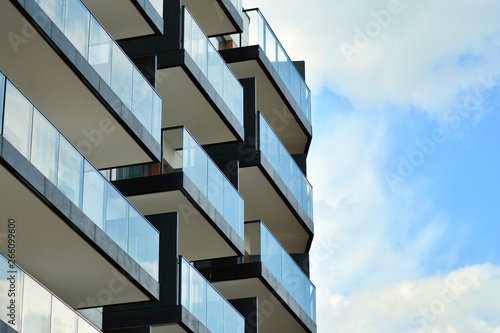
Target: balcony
(282, 94)
(135, 18)
(272, 175)
(198, 307)
(79, 227)
(36, 308)
(219, 17)
(61, 56)
(188, 181)
(270, 274)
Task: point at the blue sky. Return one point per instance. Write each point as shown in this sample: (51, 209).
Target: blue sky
(405, 160)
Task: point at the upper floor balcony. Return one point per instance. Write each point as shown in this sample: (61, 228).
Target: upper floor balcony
(35, 308)
(218, 17)
(61, 56)
(129, 18)
(269, 273)
(78, 227)
(195, 306)
(282, 94)
(188, 182)
(199, 90)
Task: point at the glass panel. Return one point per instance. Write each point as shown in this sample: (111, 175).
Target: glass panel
(77, 25)
(185, 283)
(142, 244)
(85, 327)
(36, 308)
(215, 310)
(70, 172)
(17, 120)
(211, 64)
(215, 187)
(64, 320)
(158, 5)
(10, 279)
(55, 10)
(142, 100)
(100, 50)
(284, 164)
(44, 147)
(195, 163)
(121, 76)
(233, 321)
(261, 34)
(197, 295)
(93, 195)
(116, 224)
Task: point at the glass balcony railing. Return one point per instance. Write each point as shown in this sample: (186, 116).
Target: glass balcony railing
(181, 153)
(238, 4)
(53, 155)
(27, 306)
(282, 266)
(200, 298)
(107, 58)
(284, 164)
(260, 33)
(215, 69)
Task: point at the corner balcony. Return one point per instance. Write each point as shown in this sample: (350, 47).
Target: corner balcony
(273, 176)
(282, 94)
(36, 308)
(199, 90)
(218, 17)
(129, 18)
(188, 182)
(78, 229)
(197, 307)
(61, 56)
(270, 274)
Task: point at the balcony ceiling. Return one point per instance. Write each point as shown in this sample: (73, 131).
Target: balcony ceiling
(211, 17)
(184, 104)
(40, 73)
(130, 23)
(55, 255)
(274, 107)
(258, 192)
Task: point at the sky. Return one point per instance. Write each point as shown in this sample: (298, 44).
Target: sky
(405, 160)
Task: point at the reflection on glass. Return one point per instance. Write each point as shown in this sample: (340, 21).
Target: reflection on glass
(64, 319)
(45, 142)
(100, 50)
(76, 25)
(116, 224)
(158, 5)
(70, 171)
(93, 195)
(17, 120)
(36, 309)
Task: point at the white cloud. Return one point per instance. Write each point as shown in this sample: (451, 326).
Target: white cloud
(428, 52)
(464, 301)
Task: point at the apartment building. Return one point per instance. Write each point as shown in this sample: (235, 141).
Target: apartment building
(152, 170)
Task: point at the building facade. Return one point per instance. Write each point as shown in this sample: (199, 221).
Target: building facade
(152, 170)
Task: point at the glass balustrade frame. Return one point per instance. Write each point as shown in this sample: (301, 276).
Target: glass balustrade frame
(279, 262)
(32, 315)
(39, 141)
(284, 164)
(105, 56)
(211, 64)
(205, 302)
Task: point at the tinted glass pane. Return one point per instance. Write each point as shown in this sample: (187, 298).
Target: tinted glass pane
(77, 25)
(116, 225)
(55, 10)
(121, 76)
(142, 100)
(215, 187)
(215, 310)
(18, 118)
(100, 51)
(36, 308)
(44, 147)
(197, 295)
(64, 320)
(70, 172)
(195, 163)
(93, 195)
